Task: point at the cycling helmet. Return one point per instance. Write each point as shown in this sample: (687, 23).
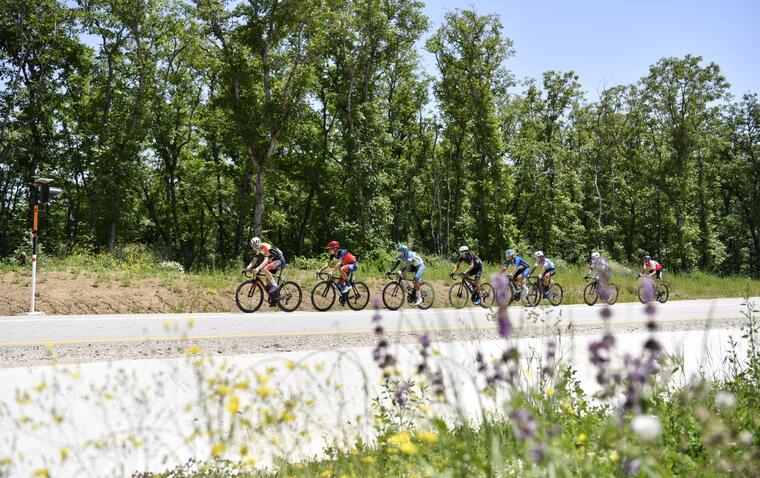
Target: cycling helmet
(464, 249)
(402, 248)
(256, 243)
(594, 255)
(539, 254)
(647, 258)
(333, 245)
(509, 252)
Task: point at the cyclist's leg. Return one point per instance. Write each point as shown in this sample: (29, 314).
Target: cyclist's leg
(268, 270)
(476, 274)
(418, 270)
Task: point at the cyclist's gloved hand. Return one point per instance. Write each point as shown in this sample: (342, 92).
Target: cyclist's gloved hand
(245, 269)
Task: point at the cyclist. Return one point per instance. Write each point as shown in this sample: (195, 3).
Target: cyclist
(546, 268)
(274, 260)
(475, 270)
(346, 264)
(412, 263)
(599, 268)
(651, 268)
(521, 268)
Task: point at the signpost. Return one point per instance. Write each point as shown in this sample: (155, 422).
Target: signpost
(42, 194)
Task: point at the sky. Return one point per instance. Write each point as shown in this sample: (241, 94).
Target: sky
(612, 42)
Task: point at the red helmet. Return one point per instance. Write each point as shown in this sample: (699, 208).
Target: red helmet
(333, 245)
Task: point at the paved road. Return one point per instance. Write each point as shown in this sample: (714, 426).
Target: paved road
(104, 329)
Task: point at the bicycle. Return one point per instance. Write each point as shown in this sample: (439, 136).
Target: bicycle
(553, 292)
(250, 294)
(395, 291)
(661, 292)
(323, 293)
(460, 291)
(591, 291)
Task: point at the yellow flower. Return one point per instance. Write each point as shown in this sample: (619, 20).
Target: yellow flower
(243, 450)
(264, 391)
(400, 438)
(581, 439)
(190, 322)
(287, 417)
(263, 379)
(319, 367)
(325, 474)
(64, 453)
(550, 391)
(568, 408)
(250, 461)
(194, 350)
(41, 473)
(290, 365)
(368, 460)
(223, 389)
(614, 457)
(234, 404)
(218, 449)
(409, 448)
(40, 387)
(427, 437)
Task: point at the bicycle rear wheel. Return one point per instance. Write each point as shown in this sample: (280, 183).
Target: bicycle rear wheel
(393, 295)
(662, 297)
(428, 295)
(358, 296)
(289, 296)
(323, 296)
(534, 295)
(589, 294)
(487, 295)
(249, 296)
(555, 294)
(458, 295)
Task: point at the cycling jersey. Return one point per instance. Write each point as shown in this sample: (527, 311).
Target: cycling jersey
(599, 264)
(653, 266)
(518, 262)
(469, 258)
(410, 258)
(343, 256)
(547, 263)
(273, 252)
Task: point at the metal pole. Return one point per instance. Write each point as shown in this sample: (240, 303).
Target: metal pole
(34, 255)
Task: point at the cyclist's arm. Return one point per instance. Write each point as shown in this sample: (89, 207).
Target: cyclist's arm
(398, 261)
(472, 266)
(456, 267)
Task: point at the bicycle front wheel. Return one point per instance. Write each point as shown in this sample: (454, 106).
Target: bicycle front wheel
(249, 296)
(613, 294)
(393, 295)
(290, 296)
(358, 296)
(458, 295)
(487, 295)
(323, 295)
(428, 295)
(533, 296)
(589, 294)
(662, 297)
(555, 294)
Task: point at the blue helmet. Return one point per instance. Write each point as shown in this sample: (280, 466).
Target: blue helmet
(403, 249)
(509, 252)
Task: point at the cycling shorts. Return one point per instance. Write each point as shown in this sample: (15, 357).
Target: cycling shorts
(348, 268)
(477, 270)
(523, 271)
(418, 270)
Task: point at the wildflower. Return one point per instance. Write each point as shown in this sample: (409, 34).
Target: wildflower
(746, 437)
(64, 453)
(632, 467)
(581, 439)
(523, 423)
(409, 448)
(500, 284)
(650, 309)
(325, 474)
(234, 404)
(368, 460)
(425, 341)
(218, 449)
(427, 437)
(725, 400)
(505, 327)
(194, 350)
(614, 457)
(647, 427)
(549, 390)
(606, 312)
(264, 391)
(399, 438)
(647, 292)
(537, 453)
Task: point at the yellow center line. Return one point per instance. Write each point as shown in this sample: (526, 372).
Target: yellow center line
(490, 326)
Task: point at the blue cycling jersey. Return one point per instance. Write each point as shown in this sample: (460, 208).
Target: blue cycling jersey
(410, 258)
(517, 261)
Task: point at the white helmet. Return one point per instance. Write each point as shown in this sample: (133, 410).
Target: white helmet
(256, 243)
(464, 249)
(594, 255)
(539, 254)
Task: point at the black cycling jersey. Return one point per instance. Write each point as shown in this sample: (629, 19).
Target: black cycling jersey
(469, 258)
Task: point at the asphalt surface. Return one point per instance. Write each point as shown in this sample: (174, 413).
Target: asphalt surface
(22, 331)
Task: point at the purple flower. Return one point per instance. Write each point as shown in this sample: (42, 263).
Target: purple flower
(647, 290)
(537, 453)
(523, 424)
(500, 284)
(505, 327)
(401, 395)
(425, 341)
(606, 312)
(632, 467)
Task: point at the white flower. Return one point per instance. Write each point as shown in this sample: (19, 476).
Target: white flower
(647, 427)
(725, 400)
(745, 437)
